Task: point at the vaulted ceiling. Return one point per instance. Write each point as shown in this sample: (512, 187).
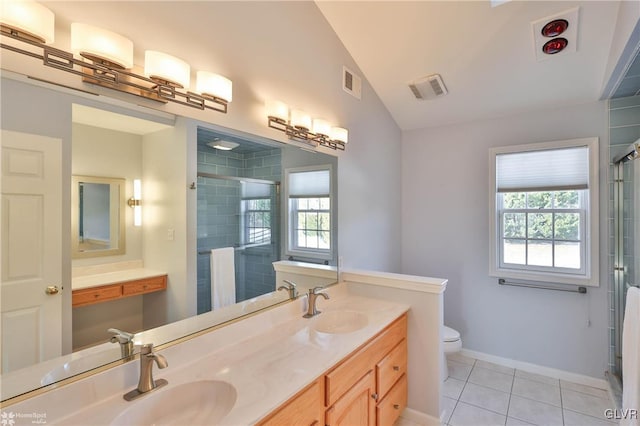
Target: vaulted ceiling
(484, 54)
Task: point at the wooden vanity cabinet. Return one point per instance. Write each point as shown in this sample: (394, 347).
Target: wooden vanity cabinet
(304, 409)
(381, 364)
(367, 388)
(105, 293)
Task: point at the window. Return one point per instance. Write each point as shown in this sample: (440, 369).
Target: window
(256, 207)
(309, 212)
(545, 212)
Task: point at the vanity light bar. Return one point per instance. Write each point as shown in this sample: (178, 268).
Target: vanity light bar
(112, 76)
(298, 127)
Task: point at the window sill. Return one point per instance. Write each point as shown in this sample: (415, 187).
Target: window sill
(544, 277)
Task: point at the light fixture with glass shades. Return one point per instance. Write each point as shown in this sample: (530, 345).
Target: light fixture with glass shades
(105, 58)
(299, 126)
(134, 202)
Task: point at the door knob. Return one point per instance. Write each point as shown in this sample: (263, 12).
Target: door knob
(51, 290)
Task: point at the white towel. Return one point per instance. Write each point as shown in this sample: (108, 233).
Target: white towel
(223, 278)
(631, 357)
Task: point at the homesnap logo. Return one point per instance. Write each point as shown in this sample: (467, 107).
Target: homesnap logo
(10, 418)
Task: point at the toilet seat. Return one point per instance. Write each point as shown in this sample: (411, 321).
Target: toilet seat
(449, 334)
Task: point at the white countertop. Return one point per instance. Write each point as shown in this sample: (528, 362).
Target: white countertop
(268, 358)
(115, 277)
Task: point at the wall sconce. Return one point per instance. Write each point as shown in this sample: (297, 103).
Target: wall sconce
(134, 202)
(107, 60)
(298, 125)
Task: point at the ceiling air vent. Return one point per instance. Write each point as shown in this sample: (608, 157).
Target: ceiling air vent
(429, 87)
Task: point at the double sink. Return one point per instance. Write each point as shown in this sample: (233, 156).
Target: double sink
(209, 401)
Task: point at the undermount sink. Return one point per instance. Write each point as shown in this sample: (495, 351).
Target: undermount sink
(339, 322)
(194, 403)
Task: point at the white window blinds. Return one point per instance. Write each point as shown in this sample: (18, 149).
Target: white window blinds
(315, 183)
(252, 190)
(544, 170)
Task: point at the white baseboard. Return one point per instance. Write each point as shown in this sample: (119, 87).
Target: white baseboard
(420, 418)
(539, 369)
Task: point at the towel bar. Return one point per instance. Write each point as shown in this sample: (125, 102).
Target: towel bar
(579, 289)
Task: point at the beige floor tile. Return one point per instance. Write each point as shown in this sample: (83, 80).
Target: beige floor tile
(537, 391)
(490, 399)
(534, 412)
(491, 379)
(468, 415)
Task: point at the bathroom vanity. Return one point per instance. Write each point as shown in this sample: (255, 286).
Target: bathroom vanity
(346, 364)
(367, 387)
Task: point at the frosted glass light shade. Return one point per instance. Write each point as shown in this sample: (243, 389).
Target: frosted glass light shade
(30, 18)
(161, 66)
(137, 209)
(137, 189)
(300, 119)
(340, 134)
(321, 127)
(277, 109)
(93, 42)
(208, 83)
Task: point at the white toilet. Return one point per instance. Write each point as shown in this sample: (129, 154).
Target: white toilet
(451, 343)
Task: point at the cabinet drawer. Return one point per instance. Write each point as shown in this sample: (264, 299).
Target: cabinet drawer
(96, 295)
(392, 366)
(341, 378)
(391, 406)
(304, 409)
(146, 285)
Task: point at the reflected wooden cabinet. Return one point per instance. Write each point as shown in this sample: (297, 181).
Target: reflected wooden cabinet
(106, 293)
(367, 388)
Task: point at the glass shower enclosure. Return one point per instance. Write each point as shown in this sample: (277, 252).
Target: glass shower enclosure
(626, 170)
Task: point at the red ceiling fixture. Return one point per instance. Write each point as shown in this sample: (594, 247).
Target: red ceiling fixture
(554, 46)
(555, 28)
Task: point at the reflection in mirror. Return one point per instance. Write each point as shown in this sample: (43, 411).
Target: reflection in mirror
(241, 202)
(241, 228)
(97, 216)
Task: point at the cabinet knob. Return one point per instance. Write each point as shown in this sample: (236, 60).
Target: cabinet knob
(396, 406)
(396, 368)
(374, 396)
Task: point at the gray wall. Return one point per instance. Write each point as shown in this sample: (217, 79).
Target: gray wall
(445, 196)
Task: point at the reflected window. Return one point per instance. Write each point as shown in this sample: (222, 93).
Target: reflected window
(309, 224)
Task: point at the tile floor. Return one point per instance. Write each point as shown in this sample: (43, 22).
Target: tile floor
(479, 393)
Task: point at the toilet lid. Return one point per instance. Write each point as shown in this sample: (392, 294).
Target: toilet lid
(450, 335)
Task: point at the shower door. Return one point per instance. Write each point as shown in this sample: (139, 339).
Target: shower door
(627, 240)
(242, 213)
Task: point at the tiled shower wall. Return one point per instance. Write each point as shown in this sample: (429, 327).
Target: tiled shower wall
(219, 220)
(624, 129)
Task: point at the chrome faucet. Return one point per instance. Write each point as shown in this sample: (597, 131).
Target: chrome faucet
(312, 311)
(146, 382)
(125, 339)
(291, 287)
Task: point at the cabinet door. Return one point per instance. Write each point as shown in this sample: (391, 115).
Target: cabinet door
(305, 409)
(356, 407)
(390, 408)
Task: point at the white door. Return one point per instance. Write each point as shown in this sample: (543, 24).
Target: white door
(31, 219)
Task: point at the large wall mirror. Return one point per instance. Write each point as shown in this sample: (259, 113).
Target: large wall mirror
(197, 199)
(97, 216)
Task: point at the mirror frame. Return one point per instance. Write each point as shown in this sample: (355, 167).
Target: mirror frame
(76, 253)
